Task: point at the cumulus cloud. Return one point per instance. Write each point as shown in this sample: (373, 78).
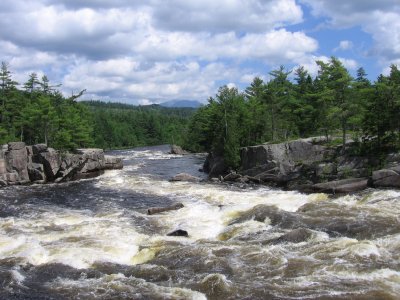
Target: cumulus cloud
(225, 15)
(149, 51)
(155, 50)
(380, 19)
(344, 45)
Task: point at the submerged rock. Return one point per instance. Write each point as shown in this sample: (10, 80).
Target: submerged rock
(157, 210)
(295, 236)
(276, 216)
(179, 232)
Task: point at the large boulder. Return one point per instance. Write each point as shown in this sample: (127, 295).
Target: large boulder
(36, 173)
(214, 165)
(285, 155)
(16, 161)
(352, 166)
(20, 164)
(112, 162)
(51, 161)
(281, 163)
(39, 148)
(342, 186)
(387, 177)
(94, 159)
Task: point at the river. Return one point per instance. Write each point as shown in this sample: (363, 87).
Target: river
(93, 239)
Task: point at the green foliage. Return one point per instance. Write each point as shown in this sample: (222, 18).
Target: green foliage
(40, 114)
(280, 109)
(117, 125)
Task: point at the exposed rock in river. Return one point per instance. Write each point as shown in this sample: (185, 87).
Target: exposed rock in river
(323, 216)
(185, 177)
(179, 232)
(157, 210)
(342, 186)
(214, 166)
(295, 236)
(177, 150)
(21, 164)
(308, 166)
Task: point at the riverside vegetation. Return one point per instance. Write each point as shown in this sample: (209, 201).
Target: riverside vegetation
(331, 104)
(36, 112)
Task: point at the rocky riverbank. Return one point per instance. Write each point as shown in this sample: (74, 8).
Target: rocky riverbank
(22, 164)
(309, 165)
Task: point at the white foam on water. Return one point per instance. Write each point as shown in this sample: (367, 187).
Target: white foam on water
(130, 286)
(17, 276)
(73, 238)
(208, 207)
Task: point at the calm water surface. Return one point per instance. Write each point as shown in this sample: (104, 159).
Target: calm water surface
(92, 239)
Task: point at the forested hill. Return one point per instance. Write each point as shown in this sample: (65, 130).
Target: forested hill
(118, 125)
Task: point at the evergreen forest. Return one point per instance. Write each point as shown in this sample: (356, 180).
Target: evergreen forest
(289, 105)
(332, 104)
(37, 112)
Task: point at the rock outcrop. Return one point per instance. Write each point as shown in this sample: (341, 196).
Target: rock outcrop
(177, 150)
(21, 164)
(214, 165)
(308, 165)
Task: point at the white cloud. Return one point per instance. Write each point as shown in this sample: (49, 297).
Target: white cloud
(344, 45)
(349, 64)
(156, 83)
(156, 50)
(225, 15)
(380, 19)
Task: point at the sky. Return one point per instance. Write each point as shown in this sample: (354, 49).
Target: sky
(145, 52)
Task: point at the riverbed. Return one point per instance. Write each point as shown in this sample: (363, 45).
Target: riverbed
(93, 239)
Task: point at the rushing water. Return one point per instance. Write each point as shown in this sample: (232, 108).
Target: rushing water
(92, 239)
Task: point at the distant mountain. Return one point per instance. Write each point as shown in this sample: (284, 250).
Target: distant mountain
(181, 103)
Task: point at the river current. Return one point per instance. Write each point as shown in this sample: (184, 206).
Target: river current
(93, 239)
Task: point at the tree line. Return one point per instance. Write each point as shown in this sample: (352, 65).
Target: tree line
(332, 103)
(37, 112)
(289, 105)
(119, 125)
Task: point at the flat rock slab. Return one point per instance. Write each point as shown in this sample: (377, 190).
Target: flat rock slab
(342, 186)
